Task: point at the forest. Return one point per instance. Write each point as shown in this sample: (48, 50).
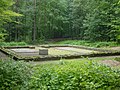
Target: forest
(36, 20)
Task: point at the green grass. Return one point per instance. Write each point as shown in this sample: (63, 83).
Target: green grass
(13, 44)
(88, 43)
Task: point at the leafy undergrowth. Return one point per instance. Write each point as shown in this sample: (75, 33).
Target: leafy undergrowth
(13, 44)
(62, 75)
(75, 76)
(14, 75)
(88, 43)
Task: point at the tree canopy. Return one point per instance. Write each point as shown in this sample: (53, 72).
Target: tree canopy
(5, 16)
(93, 20)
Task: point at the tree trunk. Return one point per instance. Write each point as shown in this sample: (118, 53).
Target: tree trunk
(34, 30)
(16, 28)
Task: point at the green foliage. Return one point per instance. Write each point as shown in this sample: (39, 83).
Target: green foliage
(75, 76)
(48, 17)
(93, 20)
(102, 21)
(88, 43)
(2, 36)
(5, 16)
(13, 44)
(63, 75)
(14, 75)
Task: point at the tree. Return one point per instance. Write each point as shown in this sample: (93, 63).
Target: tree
(5, 16)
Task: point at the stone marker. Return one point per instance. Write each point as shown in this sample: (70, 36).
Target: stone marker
(43, 51)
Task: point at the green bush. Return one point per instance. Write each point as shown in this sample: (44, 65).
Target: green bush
(14, 75)
(75, 76)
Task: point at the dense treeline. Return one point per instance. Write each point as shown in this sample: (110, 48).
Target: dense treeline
(94, 20)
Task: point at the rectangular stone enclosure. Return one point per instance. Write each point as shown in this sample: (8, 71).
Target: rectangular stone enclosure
(54, 52)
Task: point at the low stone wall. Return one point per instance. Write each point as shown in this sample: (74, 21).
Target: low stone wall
(76, 46)
(58, 57)
(13, 47)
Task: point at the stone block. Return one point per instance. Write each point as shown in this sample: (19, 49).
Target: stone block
(43, 51)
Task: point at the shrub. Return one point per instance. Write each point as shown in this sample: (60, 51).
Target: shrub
(13, 75)
(75, 76)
